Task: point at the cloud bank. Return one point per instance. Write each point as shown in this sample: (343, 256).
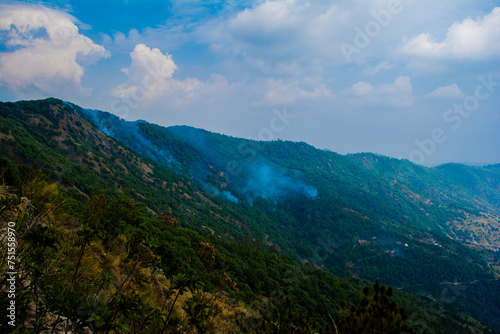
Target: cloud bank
(44, 49)
(468, 39)
(446, 92)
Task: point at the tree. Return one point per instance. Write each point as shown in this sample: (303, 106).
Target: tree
(376, 314)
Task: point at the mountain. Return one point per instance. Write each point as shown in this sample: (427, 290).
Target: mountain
(420, 196)
(432, 232)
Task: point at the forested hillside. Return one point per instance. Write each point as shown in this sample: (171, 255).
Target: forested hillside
(267, 208)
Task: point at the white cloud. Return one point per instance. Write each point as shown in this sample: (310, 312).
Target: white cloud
(447, 92)
(47, 49)
(151, 83)
(269, 26)
(398, 93)
(380, 67)
(297, 36)
(469, 39)
(150, 79)
(400, 85)
(146, 60)
(279, 91)
(150, 76)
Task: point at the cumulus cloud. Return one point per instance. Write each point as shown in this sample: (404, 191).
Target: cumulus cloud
(383, 66)
(295, 36)
(151, 82)
(469, 39)
(147, 61)
(401, 84)
(270, 22)
(397, 93)
(447, 92)
(150, 76)
(44, 49)
(150, 79)
(279, 91)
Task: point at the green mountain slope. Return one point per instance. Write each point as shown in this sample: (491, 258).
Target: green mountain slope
(360, 215)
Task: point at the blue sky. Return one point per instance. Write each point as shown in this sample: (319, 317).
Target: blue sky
(418, 80)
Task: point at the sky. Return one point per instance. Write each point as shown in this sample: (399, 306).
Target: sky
(417, 80)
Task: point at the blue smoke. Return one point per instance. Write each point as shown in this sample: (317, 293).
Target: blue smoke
(272, 184)
(224, 194)
(259, 178)
(128, 133)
